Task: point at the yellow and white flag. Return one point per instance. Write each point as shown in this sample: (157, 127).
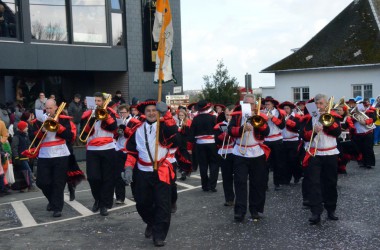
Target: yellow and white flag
(163, 34)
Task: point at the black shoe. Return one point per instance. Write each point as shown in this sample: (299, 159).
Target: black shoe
(239, 217)
(103, 211)
(57, 214)
(368, 167)
(205, 189)
(315, 219)
(72, 195)
(332, 216)
(255, 216)
(229, 204)
(277, 188)
(183, 176)
(49, 207)
(148, 231)
(173, 208)
(159, 243)
(95, 207)
(214, 190)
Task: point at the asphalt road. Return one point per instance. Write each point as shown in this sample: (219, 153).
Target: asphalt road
(201, 221)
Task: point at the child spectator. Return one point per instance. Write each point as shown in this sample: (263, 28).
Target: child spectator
(21, 143)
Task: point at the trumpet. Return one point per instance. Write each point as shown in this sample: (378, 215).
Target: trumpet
(326, 120)
(256, 121)
(50, 125)
(342, 103)
(100, 114)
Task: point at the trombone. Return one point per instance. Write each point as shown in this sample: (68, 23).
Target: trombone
(256, 121)
(100, 114)
(50, 125)
(326, 120)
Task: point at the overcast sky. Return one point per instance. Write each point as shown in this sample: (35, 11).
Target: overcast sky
(249, 35)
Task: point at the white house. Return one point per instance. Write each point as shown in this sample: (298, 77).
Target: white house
(343, 59)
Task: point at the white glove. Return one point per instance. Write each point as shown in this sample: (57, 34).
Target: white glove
(127, 175)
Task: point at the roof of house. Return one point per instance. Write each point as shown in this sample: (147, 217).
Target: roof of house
(351, 38)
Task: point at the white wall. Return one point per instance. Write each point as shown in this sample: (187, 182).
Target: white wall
(332, 82)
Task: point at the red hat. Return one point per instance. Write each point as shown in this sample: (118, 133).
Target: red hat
(269, 99)
(300, 102)
(22, 125)
(291, 105)
(220, 105)
(203, 105)
(142, 105)
(191, 105)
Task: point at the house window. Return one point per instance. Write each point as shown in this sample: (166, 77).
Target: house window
(48, 20)
(9, 21)
(301, 94)
(364, 90)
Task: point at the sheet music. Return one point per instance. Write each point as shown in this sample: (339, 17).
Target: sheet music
(90, 102)
(246, 112)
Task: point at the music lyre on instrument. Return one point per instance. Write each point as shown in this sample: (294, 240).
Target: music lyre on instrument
(256, 121)
(100, 114)
(326, 120)
(224, 156)
(50, 125)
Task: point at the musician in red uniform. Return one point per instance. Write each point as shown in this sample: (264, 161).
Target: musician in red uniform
(152, 187)
(290, 134)
(225, 144)
(250, 156)
(53, 158)
(276, 123)
(101, 155)
(321, 162)
(363, 133)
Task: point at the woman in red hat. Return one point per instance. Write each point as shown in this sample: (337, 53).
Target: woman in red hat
(290, 134)
(276, 123)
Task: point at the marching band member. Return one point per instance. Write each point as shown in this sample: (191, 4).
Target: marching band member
(348, 150)
(276, 123)
(225, 144)
(249, 159)
(220, 115)
(351, 103)
(290, 134)
(53, 158)
(152, 187)
(300, 105)
(202, 134)
(101, 154)
(321, 162)
(192, 107)
(183, 155)
(376, 105)
(121, 152)
(363, 135)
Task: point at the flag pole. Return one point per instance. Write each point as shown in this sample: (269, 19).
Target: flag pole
(161, 43)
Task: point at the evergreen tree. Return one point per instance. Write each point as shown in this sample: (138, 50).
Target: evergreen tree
(220, 87)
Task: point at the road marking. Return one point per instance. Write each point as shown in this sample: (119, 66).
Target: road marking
(28, 221)
(184, 185)
(195, 176)
(78, 206)
(23, 214)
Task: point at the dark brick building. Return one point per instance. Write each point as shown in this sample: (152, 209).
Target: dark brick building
(64, 47)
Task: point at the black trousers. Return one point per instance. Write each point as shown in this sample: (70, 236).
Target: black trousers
(227, 168)
(276, 160)
(323, 175)
(51, 179)
(365, 145)
(153, 202)
(121, 157)
(292, 166)
(256, 170)
(101, 175)
(208, 160)
(174, 184)
(194, 158)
